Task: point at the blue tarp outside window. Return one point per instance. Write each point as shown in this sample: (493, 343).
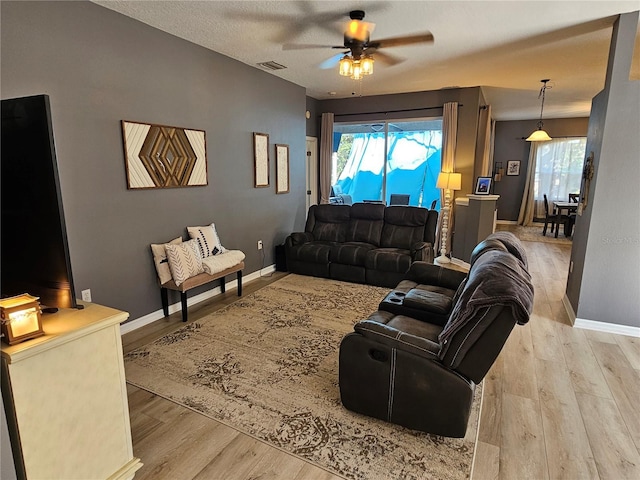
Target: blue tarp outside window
(412, 165)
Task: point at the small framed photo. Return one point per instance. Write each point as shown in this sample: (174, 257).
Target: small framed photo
(513, 167)
(483, 186)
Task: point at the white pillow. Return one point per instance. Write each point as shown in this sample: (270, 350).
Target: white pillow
(184, 260)
(160, 259)
(208, 240)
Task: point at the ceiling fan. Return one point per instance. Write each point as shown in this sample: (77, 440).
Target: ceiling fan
(357, 60)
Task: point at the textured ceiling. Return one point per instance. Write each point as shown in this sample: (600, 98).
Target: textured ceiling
(505, 47)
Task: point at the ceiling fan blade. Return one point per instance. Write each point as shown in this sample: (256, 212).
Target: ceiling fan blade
(400, 41)
(385, 58)
(331, 62)
(306, 46)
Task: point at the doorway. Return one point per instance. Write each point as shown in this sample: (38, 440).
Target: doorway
(312, 172)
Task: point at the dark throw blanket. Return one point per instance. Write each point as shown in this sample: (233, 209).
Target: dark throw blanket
(497, 278)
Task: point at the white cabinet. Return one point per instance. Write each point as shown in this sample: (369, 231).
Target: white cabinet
(66, 400)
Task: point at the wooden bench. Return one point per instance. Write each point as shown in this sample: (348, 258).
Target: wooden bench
(196, 281)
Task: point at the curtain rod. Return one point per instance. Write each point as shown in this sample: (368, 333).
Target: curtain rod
(392, 111)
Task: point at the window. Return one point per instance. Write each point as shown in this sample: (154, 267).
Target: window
(558, 170)
(372, 161)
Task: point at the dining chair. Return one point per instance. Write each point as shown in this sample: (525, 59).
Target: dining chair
(574, 197)
(552, 218)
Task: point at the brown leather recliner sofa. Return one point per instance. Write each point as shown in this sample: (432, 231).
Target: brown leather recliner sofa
(362, 243)
(421, 374)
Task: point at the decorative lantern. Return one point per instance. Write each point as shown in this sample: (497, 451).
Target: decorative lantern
(20, 317)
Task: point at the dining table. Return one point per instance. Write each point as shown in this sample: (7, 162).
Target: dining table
(558, 207)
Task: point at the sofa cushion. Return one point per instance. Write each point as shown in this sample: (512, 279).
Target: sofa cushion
(328, 223)
(350, 253)
(403, 226)
(312, 252)
(365, 225)
(388, 260)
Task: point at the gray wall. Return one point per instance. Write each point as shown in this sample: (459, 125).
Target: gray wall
(510, 144)
(605, 283)
(99, 67)
(313, 122)
(356, 108)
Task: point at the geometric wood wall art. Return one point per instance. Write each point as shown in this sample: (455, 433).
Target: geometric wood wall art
(158, 156)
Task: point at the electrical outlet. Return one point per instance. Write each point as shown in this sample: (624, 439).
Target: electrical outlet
(86, 295)
(259, 244)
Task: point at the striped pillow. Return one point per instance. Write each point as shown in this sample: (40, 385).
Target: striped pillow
(184, 260)
(208, 240)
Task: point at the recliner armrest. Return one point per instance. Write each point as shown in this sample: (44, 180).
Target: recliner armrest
(422, 252)
(298, 238)
(430, 274)
(394, 338)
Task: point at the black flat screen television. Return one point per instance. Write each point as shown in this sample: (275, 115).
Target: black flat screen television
(34, 255)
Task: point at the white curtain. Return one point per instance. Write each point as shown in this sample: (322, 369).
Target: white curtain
(555, 170)
(326, 151)
(449, 140)
(525, 217)
(559, 165)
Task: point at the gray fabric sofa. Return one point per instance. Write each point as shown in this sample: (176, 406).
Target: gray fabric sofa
(362, 243)
(421, 374)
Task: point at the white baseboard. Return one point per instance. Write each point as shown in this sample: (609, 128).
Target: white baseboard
(507, 222)
(132, 325)
(598, 326)
(607, 327)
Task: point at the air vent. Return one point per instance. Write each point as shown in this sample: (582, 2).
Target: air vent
(271, 65)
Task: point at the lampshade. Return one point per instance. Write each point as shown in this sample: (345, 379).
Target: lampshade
(357, 70)
(367, 65)
(346, 66)
(540, 135)
(450, 181)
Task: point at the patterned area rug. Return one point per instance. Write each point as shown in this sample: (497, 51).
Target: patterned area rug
(267, 365)
(534, 233)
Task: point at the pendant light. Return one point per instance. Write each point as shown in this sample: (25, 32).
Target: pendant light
(540, 135)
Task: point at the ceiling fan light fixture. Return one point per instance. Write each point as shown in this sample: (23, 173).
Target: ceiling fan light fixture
(346, 66)
(367, 65)
(540, 135)
(357, 73)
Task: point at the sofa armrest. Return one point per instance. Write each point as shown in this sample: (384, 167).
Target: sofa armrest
(394, 338)
(422, 252)
(430, 274)
(298, 238)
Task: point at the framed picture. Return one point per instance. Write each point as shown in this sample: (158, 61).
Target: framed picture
(513, 167)
(261, 159)
(483, 186)
(282, 168)
(159, 156)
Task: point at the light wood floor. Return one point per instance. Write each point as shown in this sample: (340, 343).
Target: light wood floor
(559, 403)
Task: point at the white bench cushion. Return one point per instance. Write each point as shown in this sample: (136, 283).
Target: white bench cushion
(222, 261)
